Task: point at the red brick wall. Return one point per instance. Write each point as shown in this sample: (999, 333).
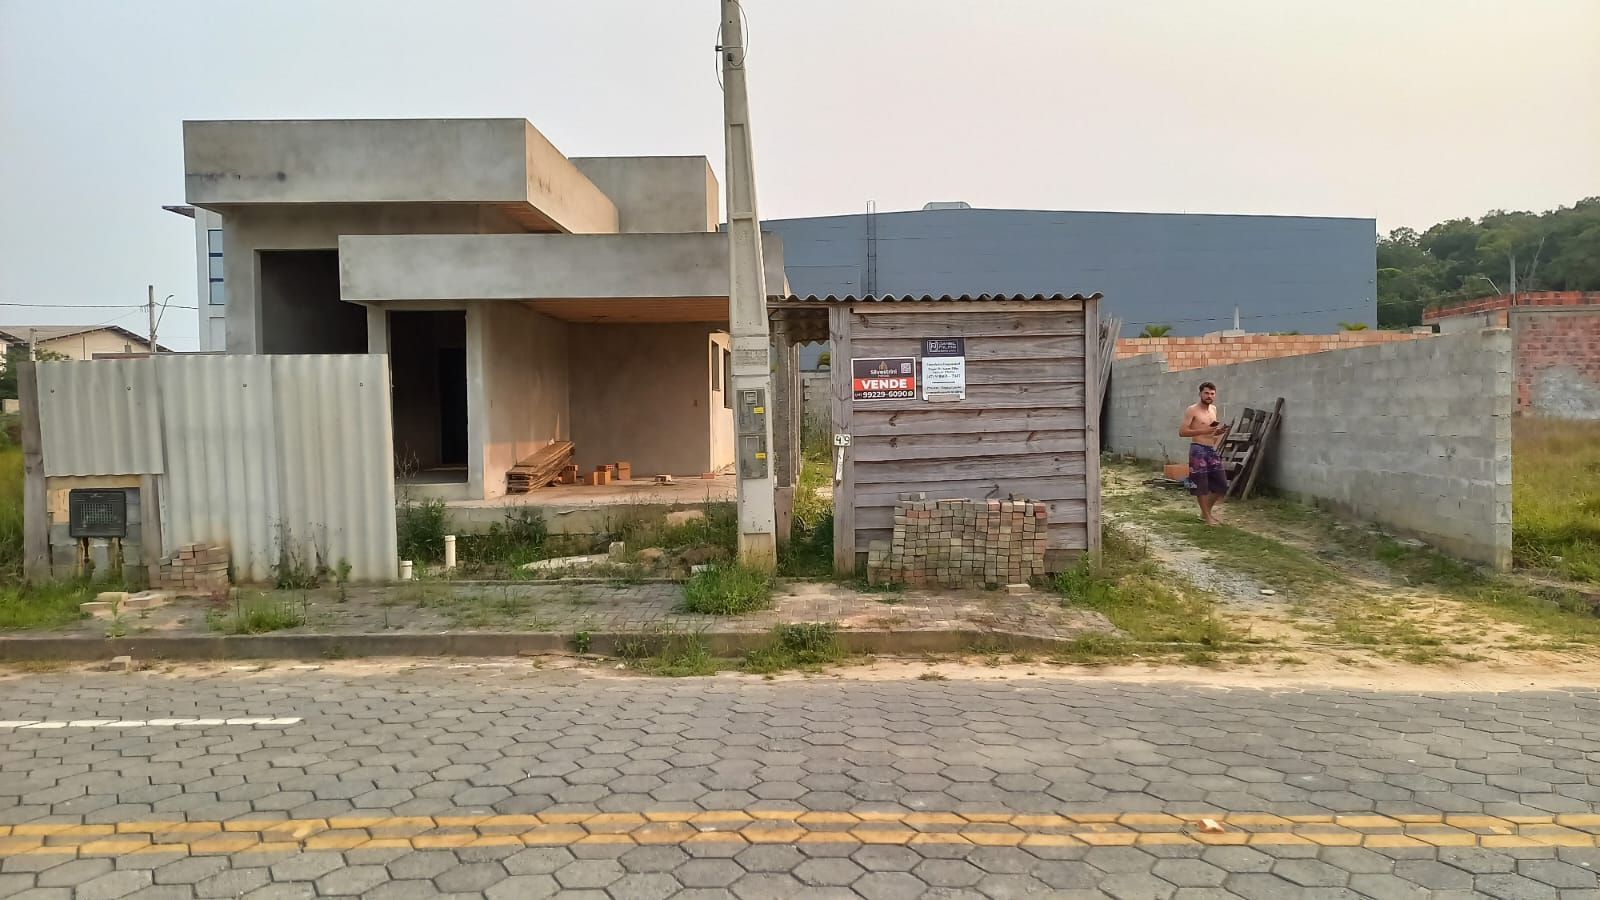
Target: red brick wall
(1557, 358)
(1506, 301)
(1196, 352)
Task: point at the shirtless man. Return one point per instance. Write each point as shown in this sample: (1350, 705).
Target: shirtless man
(1201, 427)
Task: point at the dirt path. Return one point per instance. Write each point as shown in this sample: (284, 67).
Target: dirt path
(1295, 584)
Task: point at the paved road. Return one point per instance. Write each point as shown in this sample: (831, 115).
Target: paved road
(512, 783)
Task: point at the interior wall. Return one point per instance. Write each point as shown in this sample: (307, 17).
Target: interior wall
(248, 231)
(415, 340)
(641, 395)
(526, 389)
(720, 403)
(300, 307)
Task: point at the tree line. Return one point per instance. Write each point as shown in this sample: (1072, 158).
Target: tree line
(1462, 259)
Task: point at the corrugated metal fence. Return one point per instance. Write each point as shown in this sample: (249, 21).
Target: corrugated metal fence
(271, 455)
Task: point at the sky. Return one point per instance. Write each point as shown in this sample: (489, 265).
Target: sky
(1406, 111)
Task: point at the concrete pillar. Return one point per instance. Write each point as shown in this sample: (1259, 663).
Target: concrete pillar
(377, 329)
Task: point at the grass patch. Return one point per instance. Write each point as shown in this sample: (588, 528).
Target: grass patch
(49, 605)
(521, 538)
(258, 614)
(498, 610)
(727, 590)
(670, 654)
(1556, 497)
(718, 527)
(10, 514)
(1264, 559)
(809, 552)
(807, 645)
(1128, 588)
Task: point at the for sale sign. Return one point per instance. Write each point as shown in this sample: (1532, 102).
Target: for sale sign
(891, 378)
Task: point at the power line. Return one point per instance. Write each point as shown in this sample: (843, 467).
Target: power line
(88, 305)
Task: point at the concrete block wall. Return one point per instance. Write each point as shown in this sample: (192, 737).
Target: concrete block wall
(1414, 435)
(1557, 355)
(1221, 350)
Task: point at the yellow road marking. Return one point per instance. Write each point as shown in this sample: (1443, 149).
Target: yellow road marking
(976, 828)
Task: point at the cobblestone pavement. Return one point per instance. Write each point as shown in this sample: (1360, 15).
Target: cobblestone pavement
(510, 782)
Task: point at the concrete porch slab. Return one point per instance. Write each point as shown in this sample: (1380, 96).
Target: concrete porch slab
(582, 509)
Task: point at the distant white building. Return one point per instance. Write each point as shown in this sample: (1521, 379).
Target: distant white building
(75, 341)
(210, 289)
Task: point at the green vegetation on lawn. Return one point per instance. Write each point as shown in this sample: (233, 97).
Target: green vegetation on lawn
(1556, 497)
(1272, 562)
(804, 645)
(727, 589)
(258, 614)
(48, 605)
(1130, 590)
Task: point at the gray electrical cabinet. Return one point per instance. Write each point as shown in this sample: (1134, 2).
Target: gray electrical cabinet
(750, 421)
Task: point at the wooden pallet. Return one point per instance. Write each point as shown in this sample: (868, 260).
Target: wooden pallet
(1244, 449)
(540, 469)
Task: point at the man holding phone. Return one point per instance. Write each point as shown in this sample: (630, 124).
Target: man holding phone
(1204, 429)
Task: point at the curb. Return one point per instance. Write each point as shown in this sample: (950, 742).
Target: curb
(342, 646)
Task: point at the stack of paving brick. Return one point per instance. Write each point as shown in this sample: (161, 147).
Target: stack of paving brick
(195, 569)
(961, 543)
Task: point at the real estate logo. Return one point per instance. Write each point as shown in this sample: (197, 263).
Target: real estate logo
(887, 378)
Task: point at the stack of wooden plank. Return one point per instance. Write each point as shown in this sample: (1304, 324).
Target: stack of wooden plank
(1244, 450)
(540, 469)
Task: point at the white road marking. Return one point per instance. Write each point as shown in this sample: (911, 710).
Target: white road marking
(34, 725)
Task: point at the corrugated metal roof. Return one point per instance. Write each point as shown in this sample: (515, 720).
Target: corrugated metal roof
(944, 298)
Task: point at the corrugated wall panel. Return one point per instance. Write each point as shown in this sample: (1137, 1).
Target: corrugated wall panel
(99, 418)
(253, 449)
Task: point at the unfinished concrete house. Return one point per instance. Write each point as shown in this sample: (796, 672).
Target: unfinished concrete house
(522, 297)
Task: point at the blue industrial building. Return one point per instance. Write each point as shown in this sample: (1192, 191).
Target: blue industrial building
(1284, 273)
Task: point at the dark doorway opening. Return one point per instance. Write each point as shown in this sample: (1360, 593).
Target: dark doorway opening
(453, 406)
(300, 307)
(428, 366)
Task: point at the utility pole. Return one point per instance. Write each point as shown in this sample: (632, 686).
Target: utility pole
(747, 310)
(150, 306)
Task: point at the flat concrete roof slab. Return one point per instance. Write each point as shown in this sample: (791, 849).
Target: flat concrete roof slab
(505, 162)
(376, 268)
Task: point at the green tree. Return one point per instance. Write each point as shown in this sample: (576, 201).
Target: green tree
(1155, 331)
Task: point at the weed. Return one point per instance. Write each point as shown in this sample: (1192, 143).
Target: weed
(1093, 649)
(668, 653)
(117, 627)
(420, 529)
(522, 538)
(580, 642)
(932, 676)
(728, 590)
(48, 605)
(1022, 657)
(258, 615)
(807, 645)
(342, 572)
(1291, 661)
(809, 552)
(301, 565)
(1264, 559)
(1128, 589)
(1199, 657)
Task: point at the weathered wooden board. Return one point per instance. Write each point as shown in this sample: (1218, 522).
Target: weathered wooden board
(930, 418)
(1022, 371)
(1056, 350)
(957, 447)
(1025, 465)
(998, 396)
(873, 326)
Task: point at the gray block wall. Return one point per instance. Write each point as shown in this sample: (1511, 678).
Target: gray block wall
(1415, 436)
